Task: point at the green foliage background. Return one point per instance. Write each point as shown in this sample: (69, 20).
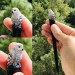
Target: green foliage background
(5, 11)
(42, 54)
(4, 43)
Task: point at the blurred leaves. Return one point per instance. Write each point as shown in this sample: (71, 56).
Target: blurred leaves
(71, 18)
(43, 57)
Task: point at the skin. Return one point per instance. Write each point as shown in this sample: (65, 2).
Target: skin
(66, 44)
(26, 63)
(26, 25)
(18, 73)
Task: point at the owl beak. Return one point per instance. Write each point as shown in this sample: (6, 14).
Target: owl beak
(12, 11)
(22, 49)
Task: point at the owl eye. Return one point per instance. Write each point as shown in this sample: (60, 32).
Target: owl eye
(14, 10)
(18, 46)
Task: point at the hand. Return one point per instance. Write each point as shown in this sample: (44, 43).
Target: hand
(66, 44)
(26, 25)
(18, 73)
(26, 63)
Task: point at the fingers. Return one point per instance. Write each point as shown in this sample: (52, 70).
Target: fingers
(18, 73)
(26, 64)
(46, 30)
(45, 33)
(3, 60)
(11, 45)
(26, 25)
(59, 35)
(46, 27)
(49, 40)
(64, 28)
(8, 23)
(47, 22)
(59, 30)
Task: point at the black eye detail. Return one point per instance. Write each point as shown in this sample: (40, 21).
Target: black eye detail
(18, 46)
(14, 10)
(22, 49)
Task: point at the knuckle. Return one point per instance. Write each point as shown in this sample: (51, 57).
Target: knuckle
(58, 33)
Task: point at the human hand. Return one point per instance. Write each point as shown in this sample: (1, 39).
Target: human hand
(26, 25)
(26, 63)
(18, 73)
(66, 44)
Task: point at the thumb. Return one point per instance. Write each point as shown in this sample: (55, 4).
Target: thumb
(59, 35)
(18, 73)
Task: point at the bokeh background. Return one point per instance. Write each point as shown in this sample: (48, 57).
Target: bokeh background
(4, 43)
(43, 54)
(24, 6)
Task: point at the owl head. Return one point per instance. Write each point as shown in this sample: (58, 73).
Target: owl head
(15, 11)
(16, 48)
